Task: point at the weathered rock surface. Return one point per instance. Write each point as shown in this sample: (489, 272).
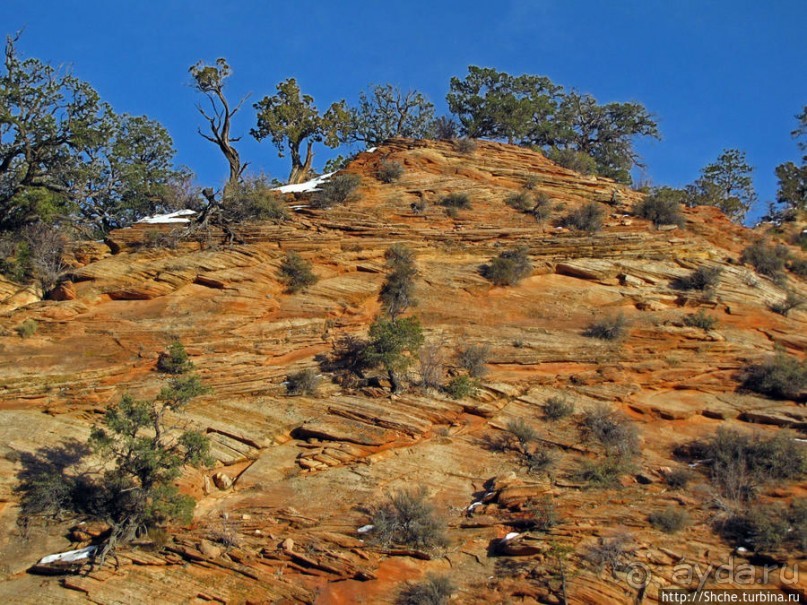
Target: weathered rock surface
(300, 471)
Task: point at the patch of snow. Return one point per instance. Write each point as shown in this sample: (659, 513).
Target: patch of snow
(307, 187)
(473, 506)
(365, 529)
(173, 217)
(69, 556)
(510, 536)
(371, 149)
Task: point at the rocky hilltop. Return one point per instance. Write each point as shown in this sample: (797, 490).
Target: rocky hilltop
(294, 476)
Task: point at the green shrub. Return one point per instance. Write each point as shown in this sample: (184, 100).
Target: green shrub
(174, 360)
(253, 199)
(398, 291)
(702, 278)
(461, 387)
(607, 328)
(458, 200)
(791, 301)
(602, 473)
(573, 160)
(779, 377)
(394, 345)
(669, 520)
(521, 201)
(700, 320)
(434, 590)
(336, 191)
(390, 171)
(662, 206)
(473, 359)
(509, 268)
(767, 259)
(465, 146)
(612, 429)
(295, 273)
(27, 328)
(304, 382)
(407, 518)
(587, 218)
(557, 408)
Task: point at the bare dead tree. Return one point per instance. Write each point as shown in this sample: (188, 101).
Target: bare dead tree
(209, 80)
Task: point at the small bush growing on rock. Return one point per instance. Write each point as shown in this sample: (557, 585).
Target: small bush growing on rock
(799, 267)
(739, 463)
(509, 268)
(27, 328)
(780, 377)
(473, 359)
(466, 146)
(578, 161)
(336, 191)
(678, 478)
(610, 553)
(540, 460)
(557, 408)
(458, 200)
(461, 387)
(253, 199)
(393, 345)
(587, 218)
(390, 171)
(407, 518)
(304, 382)
(543, 512)
(662, 206)
(296, 273)
(602, 473)
(432, 364)
(521, 201)
(523, 432)
(175, 360)
(434, 590)
(607, 328)
(700, 320)
(444, 128)
(702, 278)
(612, 429)
(669, 520)
(767, 259)
(768, 527)
(791, 301)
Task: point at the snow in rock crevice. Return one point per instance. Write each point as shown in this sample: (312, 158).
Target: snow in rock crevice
(307, 187)
(172, 217)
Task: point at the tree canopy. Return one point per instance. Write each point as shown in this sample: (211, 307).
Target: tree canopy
(385, 112)
(209, 80)
(66, 156)
(726, 183)
(532, 110)
(290, 119)
(792, 191)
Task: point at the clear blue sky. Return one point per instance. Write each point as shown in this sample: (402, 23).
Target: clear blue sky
(715, 73)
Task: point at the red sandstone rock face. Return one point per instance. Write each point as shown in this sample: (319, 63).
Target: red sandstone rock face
(302, 468)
